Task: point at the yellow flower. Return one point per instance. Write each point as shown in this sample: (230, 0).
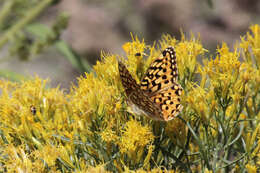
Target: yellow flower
(95, 169)
(255, 137)
(251, 43)
(135, 63)
(90, 125)
(208, 171)
(106, 69)
(134, 136)
(176, 130)
(93, 95)
(198, 100)
(258, 155)
(148, 156)
(48, 153)
(224, 69)
(187, 52)
(251, 168)
(108, 135)
(18, 159)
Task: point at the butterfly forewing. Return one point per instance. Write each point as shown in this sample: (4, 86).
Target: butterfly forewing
(162, 73)
(136, 96)
(127, 80)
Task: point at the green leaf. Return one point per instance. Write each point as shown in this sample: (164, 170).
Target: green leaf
(39, 30)
(76, 61)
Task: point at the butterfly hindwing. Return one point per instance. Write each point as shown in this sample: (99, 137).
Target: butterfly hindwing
(162, 73)
(169, 102)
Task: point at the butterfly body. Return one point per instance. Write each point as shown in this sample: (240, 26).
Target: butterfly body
(158, 95)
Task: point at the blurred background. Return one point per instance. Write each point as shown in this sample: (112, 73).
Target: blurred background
(61, 39)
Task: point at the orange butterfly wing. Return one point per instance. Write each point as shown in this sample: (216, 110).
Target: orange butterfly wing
(160, 83)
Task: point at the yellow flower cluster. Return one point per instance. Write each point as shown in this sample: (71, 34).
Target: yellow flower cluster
(135, 136)
(90, 129)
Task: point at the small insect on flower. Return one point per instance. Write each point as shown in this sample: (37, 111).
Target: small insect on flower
(158, 95)
(139, 54)
(33, 110)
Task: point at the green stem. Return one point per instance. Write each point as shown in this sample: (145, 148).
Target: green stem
(27, 19)
(233, 162)
(5, 11)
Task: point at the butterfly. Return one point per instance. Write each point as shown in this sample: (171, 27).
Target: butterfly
(158, 94)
